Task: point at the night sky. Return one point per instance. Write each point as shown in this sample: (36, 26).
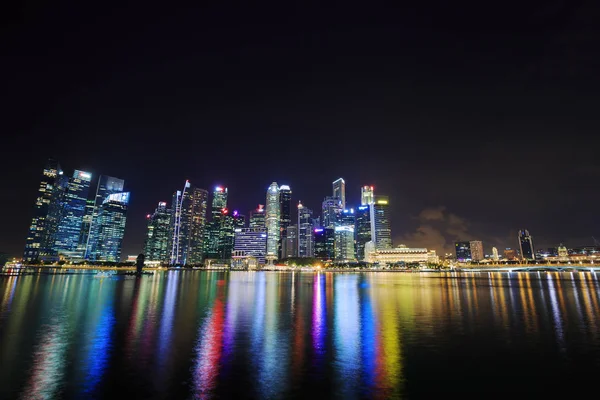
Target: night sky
(476, 118)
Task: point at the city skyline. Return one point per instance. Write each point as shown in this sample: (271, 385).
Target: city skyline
(441, 108)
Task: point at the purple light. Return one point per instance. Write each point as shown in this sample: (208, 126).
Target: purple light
(235, 213)
(318, 230)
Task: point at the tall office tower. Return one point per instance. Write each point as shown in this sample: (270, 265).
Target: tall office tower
(74, 201)
(366, 195)
(331, 210)
(107, 185)
(230, 221)
(156, 246)
(112, 216)
(339, 191)
(213, 236)
(285, 216)
(290, 243)
(257, 217)
(344, 237)
(188, 220)
(324, 243)
(381, 231)
(272, 216)
(305, 231)
(362, 230)
(476, 247)
(526, 245)
(495, 255)
(251, 242)
(463, 251)
(86, 225)
(41, 235)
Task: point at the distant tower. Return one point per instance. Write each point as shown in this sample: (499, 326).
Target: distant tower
(111, 227)
(563, 253)
(257, 217)
(366, 195)
(305, 232)
(331, 210)
(212, 234)
(188, 221)
(362, 230)
(463, 251)
(344, 237)
(339, 191)
(381, 232)
(495, 255)
(476, 250)
(272, 216)
(526, 245)
(285, 218)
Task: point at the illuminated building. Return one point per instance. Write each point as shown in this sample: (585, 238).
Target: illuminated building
(402, 254)
(86, 226)
(495, 256)
(111, 219)
(213, 236)
(476, 247)
(272, 216)
(526, 245)
(285, 217)
(563, 254)
(462, 251)
(305, 231)
(188, 224)
(257, 217)
(290, 246)
(156, 246)
(250, 242)
(362, 230)
(339, 191)
(324, 240)
(107, 185)
(510, 254)
(331, 209)
(381, 231)
(344, 237)
(42, 230)
(366, 195)
(73, 209)
(229, 223)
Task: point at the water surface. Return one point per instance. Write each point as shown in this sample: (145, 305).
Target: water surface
(192, 334)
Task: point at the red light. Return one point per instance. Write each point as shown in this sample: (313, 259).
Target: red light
(224, 211)
(148, 216)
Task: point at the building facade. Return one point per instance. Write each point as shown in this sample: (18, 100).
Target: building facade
(526, 245)
(156, 245)
(305, 231)
(257, 217)
(476, 247)
(290, 246)
(285, 217)
(366, 195)
(112, 217)
(330, 211)
(339, 191)
(402, 254)
(272, 216)
(250, 242)
(381, 230)
(362, 230)
(40, 239)
(188, 223)
(324, 240)
(462, 251)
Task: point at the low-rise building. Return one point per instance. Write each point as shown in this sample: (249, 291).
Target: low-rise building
(401, 253)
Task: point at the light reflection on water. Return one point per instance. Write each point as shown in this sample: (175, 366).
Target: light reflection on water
(183, 334)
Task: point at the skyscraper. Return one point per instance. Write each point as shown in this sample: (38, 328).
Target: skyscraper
(344, 237)
(285, 217)
(272, 216)
(257, 217)
(526, 245)
(213, 233)
(111, 219)
(366, 195)
(362, 230)
(290, 246)
(230, 221)
(107, 185)
(476, 247)
(339, 191)
(324, 243)
(305, 231)
(188, 221)
(156, 246)
(73, 210)
(463, 251)
(331, 209)
(42, 230)
(381, 231)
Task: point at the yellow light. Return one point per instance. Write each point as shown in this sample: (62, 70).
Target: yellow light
(382, 202)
